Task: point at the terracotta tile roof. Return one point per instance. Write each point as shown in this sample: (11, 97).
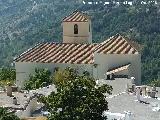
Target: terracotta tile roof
(118, 69)
(76, 16)
(76, 53)
(117, 45)
(59, 53)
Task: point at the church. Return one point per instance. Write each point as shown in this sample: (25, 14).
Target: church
(117, 56)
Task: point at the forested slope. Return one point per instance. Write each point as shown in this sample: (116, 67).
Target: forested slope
(24, 23)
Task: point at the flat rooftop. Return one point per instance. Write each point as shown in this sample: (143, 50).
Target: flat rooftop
(23, 98)
(118, 84)
(141, 111)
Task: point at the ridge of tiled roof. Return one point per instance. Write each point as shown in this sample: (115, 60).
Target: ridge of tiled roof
(37, 45)
(117, 45)
(76, 53)
(76, 16)
(134, 44)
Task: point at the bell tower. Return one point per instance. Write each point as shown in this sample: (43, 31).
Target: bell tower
(77, 28)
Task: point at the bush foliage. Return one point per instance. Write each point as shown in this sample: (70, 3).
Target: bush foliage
(6, 115)
(7, 75)
(42, 77)
(155, 83)
(77, 98)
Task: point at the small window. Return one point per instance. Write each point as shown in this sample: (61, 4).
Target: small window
(75, 29)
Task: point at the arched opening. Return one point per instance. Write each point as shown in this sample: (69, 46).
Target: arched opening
(75, 29)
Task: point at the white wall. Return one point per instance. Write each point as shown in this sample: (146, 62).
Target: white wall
(83, 36)
(105, 62)
(108, 61)
(24, 69)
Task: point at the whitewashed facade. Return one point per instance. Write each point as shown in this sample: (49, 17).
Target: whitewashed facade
(77, 51)
(23, 70)
(105, 62)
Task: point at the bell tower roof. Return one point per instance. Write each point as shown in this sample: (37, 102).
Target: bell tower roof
(76, 16)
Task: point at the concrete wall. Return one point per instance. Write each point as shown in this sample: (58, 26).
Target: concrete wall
(83, 36)
(108, 61)
(23, 70)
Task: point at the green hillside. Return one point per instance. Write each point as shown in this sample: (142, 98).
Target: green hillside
(24, 23)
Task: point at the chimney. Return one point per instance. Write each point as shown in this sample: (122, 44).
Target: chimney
(133, 80)
(144, 91)
(9, 90)
(15, 101)
(147, 90)
(133, 88)
(138, 94)
(153, 94)
(127, 87)
(154, 88)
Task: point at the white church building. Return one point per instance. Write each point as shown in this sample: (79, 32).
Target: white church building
(115, 57)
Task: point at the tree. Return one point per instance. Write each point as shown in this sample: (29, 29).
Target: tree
(42, 77)
(6, 115)
(78, 98)
(7, 75)
(155, 83)
(62, 76)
